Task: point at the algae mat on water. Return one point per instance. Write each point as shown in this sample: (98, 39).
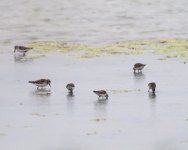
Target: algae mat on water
(172, 48)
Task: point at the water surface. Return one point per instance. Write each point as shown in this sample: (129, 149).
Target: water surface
(131, 118)
(90, 22)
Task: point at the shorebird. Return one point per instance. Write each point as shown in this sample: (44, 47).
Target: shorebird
(152, 86)
(138, 66)
(22, 49)
(70, 87)
(41, 83)
(102, 94)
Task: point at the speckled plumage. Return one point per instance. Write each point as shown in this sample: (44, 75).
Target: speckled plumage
(70, 87)
(41, 82)
(101, 94)
(138, 66)
(22, 49)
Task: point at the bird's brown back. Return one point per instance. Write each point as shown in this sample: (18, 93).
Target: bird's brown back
(40, 81)
(138, 65)
(100, 92)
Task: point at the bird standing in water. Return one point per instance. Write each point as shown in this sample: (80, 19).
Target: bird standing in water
(102, 94)
(70, 87)
(41, 83)
(22, 49)
(138, 67)
(152, 86)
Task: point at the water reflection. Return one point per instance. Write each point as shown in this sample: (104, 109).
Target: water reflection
(41, 97)
(100, 105)
(139, 78)
(70, 102)
(70, 96)
(138, 75)
(18, 57)
(152, 96)
(21, 58)
(42, 92)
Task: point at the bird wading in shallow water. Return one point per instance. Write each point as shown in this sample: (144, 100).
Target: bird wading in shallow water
(22, 49)
(70, 87)
(41, 83)
(138, 67)
(102, 94)
(152, 86)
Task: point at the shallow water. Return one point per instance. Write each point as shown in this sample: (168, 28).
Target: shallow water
(131, 118)
(90, 22)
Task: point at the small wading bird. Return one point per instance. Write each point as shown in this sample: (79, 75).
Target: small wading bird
(70, 87)
(41, 83)
(152, 86)
(138, 66)
(102, 94)
(22, 49)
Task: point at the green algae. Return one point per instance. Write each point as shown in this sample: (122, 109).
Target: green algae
(172, 48)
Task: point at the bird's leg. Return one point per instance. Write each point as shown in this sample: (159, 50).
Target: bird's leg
(153, 90)
(70, 92)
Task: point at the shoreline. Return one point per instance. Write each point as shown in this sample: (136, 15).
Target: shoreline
(170, 48)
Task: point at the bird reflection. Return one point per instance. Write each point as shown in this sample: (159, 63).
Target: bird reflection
(18, 57)
(21, 58)
(42, 92)
(70, 96)
(138, 74)
(139, 77)
(100, 105)
(152, 96)
(101, 102)
(70, 101)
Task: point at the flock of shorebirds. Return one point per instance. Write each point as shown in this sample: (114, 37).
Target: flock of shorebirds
(101, 93)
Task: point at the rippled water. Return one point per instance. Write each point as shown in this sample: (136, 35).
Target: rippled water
(91, 21)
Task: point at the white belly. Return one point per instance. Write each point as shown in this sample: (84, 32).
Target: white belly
(101, 95)
(140, 68)
(42, 85)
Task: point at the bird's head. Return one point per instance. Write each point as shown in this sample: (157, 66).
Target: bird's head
(49, 82)
(15, 48)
